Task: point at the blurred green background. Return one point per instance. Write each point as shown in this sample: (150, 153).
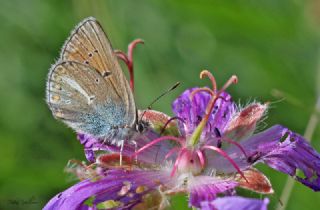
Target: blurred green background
(272, 45)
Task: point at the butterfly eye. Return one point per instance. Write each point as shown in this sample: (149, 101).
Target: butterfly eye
(140, 127)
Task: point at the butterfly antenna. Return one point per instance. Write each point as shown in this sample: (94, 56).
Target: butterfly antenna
(160, 96)
(163, 94)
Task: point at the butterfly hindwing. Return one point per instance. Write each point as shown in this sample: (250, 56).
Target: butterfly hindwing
(83, 99)
(86, 88)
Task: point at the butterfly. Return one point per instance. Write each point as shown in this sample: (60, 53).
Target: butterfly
(87, 89)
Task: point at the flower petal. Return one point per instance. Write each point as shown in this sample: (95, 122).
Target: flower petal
(120, 189)
(205, 188)
(154, 154)
(282, 150)
(90, 144)
(243, 123)
(236, 202)
(157, 120)
(256, 181)
(192, 111)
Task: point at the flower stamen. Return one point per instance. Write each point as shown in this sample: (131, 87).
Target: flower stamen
(201, 158)
(128, 59)
(211, 77)
(233, 80)
(203, 89)
(121, 55)
(225, 155)
(171, 152)
(175, 167)
(236, 144)
(131, 46)
(197, 132)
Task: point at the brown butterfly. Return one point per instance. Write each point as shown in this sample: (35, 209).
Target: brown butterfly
(87, 89)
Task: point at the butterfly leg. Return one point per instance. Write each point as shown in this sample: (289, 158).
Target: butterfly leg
(135, 150)
(104, 140)
(121, 150)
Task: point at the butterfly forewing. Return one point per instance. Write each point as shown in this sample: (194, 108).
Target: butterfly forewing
(88, 44)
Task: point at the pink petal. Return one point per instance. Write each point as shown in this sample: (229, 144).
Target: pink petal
(244, 122)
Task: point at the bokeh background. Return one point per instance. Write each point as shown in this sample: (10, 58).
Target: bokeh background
(273, 47)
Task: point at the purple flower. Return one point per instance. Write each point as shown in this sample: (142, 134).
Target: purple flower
(229, 203)
(211, 151)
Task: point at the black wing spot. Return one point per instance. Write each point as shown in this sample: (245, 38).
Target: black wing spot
(86, 62)
(106, 74)
(90, 54)
(96, 51)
